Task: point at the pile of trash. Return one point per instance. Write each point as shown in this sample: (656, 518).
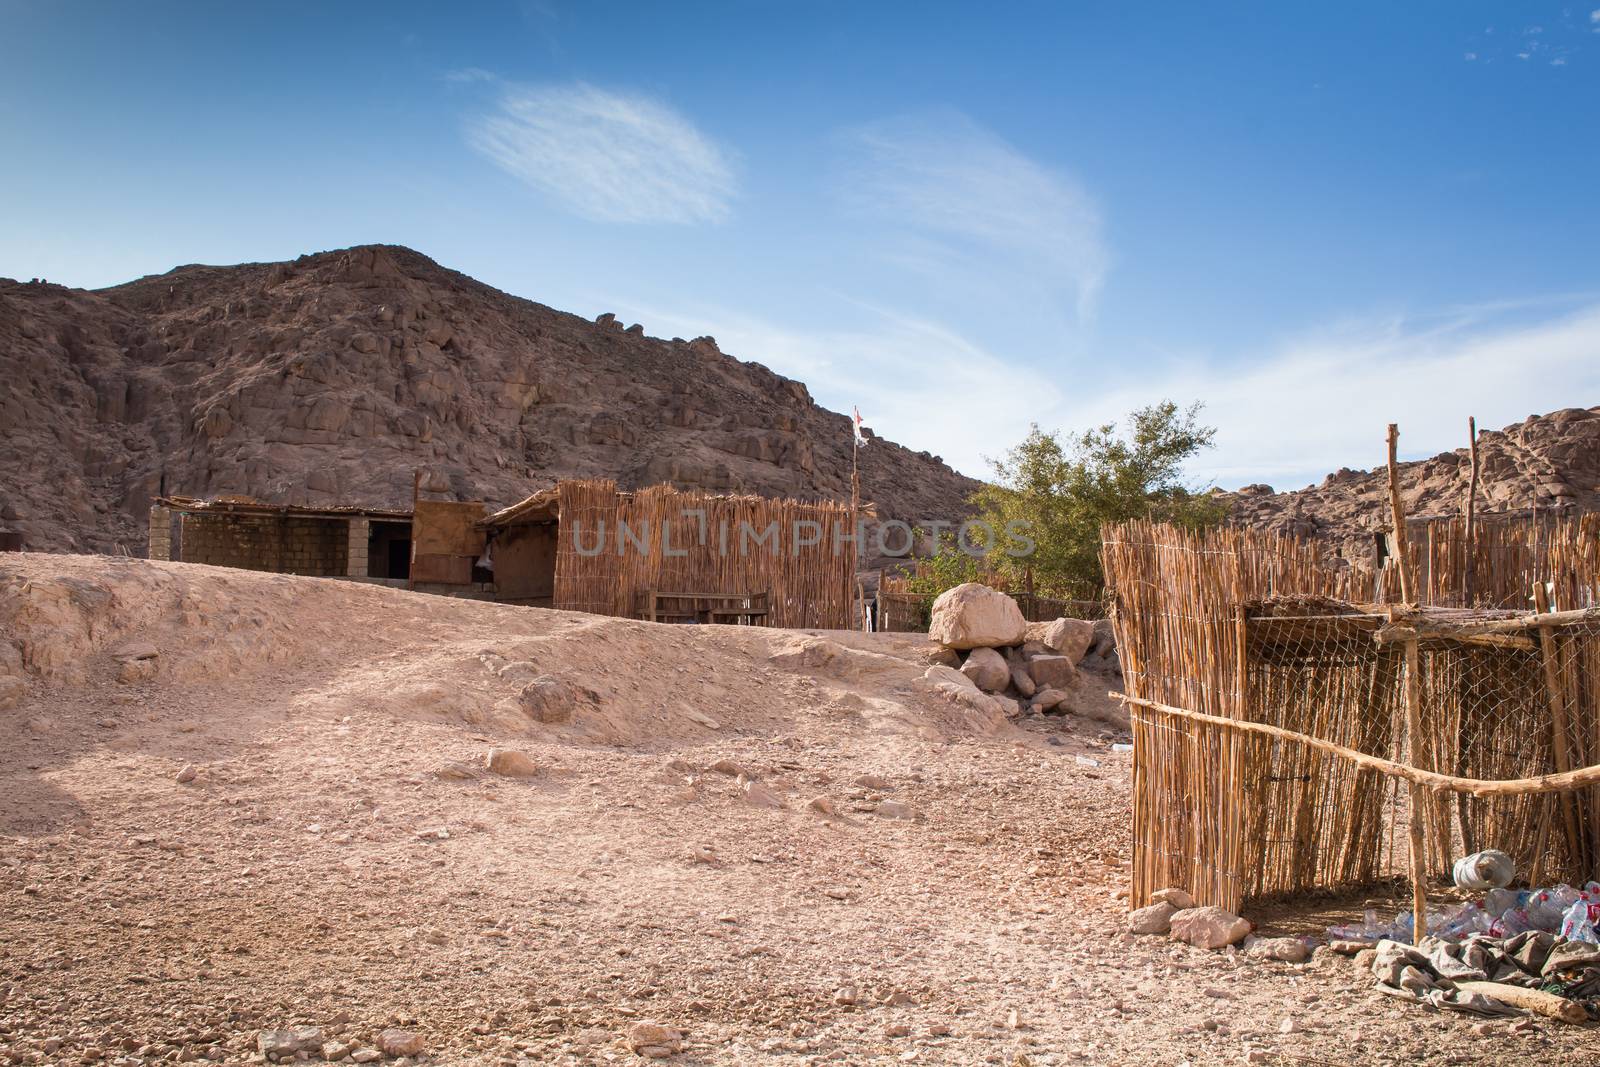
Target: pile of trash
(1533, 971)
(1503, 913)
(1530, 950)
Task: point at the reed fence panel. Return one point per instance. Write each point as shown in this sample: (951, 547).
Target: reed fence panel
(1253, 627)
(612, 547)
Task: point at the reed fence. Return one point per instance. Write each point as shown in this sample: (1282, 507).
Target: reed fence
(612, 547)
(1288, 736)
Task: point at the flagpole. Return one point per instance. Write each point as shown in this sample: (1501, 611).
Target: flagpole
(855, 524)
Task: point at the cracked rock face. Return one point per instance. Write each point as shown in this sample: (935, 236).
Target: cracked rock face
(329, 379)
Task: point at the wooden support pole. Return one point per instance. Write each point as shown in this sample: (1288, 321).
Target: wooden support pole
(1470, 564)
(1581, 778)
(1417, 757)
(1556, 694)
(1397, 515)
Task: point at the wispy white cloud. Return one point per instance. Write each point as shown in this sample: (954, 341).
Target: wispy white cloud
(1319, 402)
(608, 156)
(960, 195)
(896, 367)
(1289, 415)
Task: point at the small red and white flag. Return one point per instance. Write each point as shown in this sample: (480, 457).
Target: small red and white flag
(861, 441)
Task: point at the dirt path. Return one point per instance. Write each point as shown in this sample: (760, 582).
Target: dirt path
(341, 860)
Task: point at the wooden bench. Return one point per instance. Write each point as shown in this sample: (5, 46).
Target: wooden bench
(732, 609)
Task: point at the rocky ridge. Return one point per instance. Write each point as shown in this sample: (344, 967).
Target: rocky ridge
(1548, 461)
(330, 378)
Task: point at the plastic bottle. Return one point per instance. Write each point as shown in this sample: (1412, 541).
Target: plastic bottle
(1548, 907)
(1461, 923)
(1582, 922)
(1489, 869)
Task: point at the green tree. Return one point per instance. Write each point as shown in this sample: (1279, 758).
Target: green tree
(1055, 495)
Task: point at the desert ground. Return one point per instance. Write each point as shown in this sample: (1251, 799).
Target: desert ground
(235, 802)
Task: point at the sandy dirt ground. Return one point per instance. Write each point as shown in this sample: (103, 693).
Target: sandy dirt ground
(340, 858)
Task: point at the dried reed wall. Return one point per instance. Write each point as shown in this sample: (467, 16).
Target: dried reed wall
(1255, 627)
(1496, 568)
(670, 541)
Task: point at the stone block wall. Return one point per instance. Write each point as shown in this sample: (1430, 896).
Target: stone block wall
(291, 545)
(356, 549)
(160, 532)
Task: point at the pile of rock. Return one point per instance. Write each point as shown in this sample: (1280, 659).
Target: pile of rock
(985, 645)
(1173, 912)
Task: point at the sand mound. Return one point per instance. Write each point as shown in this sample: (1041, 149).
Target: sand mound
(369, 650)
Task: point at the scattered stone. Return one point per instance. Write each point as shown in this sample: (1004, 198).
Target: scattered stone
(895, 809)
(1208, 927)
(188, 774)
(1154, 919)
(366, 1055)
(1071, 638)
(1283, 949)
(510, 762)
(654, 1041)
(845, 995)
(401, 1042)
(949, 676)
(519, 671)
(1178, 898)
(824, 805)
(974, 616)
(285, 1044)
(1046, 699)
(1052, 672)
(1347, 948)
(456, 771)
(548, 699)
(987, 669)
(333, 1051)
(760, 796)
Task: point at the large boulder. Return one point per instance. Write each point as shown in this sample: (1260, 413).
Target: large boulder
(1071, 638)
(987, 669)
(1052, 672)
(1208, 927)
(975, 616)
(548, 699)
(938, 674)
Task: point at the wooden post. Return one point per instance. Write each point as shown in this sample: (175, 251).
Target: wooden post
(1470, 571)
(1415, 756)
(1397, 513)
(1555, 693)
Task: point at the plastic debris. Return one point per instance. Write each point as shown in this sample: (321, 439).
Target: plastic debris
(1489, 869)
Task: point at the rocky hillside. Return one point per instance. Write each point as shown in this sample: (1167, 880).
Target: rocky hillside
(329, 379)
(1546, 460)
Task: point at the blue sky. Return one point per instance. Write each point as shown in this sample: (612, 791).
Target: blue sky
(962, 218)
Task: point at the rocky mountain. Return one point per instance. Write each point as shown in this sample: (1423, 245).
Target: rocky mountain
(331, 378)
(1548, 461)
